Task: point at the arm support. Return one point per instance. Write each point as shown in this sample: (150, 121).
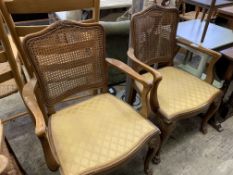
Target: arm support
(213, 54)
(31, 103)
(137, 77)
(157, 77)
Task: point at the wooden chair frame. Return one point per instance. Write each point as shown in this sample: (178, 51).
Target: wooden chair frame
(30, 97)
(166, 126)
(40, 6)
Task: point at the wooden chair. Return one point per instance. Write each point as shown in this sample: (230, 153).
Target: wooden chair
(176, 94)
(8, 163)
(97, 134)
(198, 13)
(10, 71)
(40, 6)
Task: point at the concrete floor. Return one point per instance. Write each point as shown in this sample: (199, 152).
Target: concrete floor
(187, 152)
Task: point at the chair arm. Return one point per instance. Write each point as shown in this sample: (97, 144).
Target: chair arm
(213, 54)
(31, 103)
(136, 76)
(156, 75)
(129, 71)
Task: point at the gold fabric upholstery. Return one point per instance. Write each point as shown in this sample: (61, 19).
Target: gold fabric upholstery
(96, 133)
(180, 92)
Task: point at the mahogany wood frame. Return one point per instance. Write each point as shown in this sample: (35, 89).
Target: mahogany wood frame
(30, 97)
(164, 125)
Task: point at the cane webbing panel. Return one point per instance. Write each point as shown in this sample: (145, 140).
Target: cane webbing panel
(154, 34)
(180, 92)
(97, 133)
(67, 57)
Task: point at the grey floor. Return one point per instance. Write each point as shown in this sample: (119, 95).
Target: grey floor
(187, 152)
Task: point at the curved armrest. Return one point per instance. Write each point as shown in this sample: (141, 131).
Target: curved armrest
(129, 71)
(157, 77)
(31, 103)
(136, 76)
(213, 54)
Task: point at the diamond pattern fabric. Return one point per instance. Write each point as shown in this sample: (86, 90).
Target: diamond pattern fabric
(96, 133)
(180, 92)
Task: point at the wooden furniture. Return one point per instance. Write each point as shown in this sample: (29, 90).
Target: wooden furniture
(8, 162)
(216, 38)
(97, 134)
(227, 13)
(176, 94)
(226, 107)
(10, 70)
(40, 6)
(210, 6)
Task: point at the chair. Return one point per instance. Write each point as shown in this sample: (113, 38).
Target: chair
(8, 163)
(10, 74)
(97, 134)
(176, 94)
(40, 6)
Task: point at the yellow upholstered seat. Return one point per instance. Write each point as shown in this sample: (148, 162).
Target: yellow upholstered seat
(96, 133)
(180, 92)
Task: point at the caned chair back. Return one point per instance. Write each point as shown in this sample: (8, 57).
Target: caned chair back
(10, 78)
(67, 58)
(153, 34)
(11, 7)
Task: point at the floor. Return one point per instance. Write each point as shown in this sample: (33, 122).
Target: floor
(187, 152)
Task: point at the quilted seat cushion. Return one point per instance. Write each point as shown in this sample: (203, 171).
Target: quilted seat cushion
(180, 92)
(97, 133)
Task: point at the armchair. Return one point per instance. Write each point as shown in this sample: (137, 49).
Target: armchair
(175, 94)
(97, 134)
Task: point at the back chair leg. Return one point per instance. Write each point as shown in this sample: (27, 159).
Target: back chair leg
(166, 130)
(210, 113)
(131, 95)
(154, 145)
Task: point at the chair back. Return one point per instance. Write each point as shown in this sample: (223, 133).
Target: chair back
(67, 58)
(153, 34)
(10, 78)
(13, 7)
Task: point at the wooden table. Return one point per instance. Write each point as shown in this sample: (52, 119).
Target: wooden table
(217, 37)
(207, 3)
(210, 6)
(227, 13)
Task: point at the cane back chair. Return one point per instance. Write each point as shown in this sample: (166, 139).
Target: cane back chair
(176, 94)
(13, 7)
(97, 134)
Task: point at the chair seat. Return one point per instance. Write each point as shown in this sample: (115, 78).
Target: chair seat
(97, 133)
(180, 92)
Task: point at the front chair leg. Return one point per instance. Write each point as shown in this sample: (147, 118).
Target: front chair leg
(52, 163)
(210, 113)
(166, 130)
(154, 145)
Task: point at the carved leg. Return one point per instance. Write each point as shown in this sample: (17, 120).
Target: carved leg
(211, 111)
(154, 145)
(166, 130)
(49, 158)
